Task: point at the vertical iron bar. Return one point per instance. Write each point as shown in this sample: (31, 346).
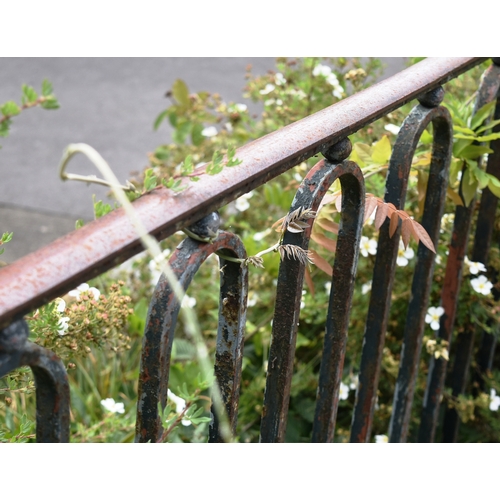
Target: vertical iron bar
(51, 381)
(344, 273)
(453, 279)
(289, 292)
(385, 264)
(160, 326)
(422, 279)
(482, 243)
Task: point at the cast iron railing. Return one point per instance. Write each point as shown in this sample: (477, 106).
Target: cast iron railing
(101, 245)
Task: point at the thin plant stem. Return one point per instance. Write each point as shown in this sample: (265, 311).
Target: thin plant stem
(191, 323)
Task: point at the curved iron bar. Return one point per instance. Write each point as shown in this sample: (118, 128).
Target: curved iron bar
(289, 292)
(160, 326)
(385, 262)
(422, 278)
(482, 244)
(51, 381)
(487, 92)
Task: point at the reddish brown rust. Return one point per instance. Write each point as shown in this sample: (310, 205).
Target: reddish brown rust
(101, 245)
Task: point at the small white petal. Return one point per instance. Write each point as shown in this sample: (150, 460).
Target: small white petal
(209, 132)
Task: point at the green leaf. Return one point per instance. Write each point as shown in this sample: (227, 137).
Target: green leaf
(29, 94)
(187, 166)
(463, 130)
(181, 132)
(159, 119)
(489, 137)
(364, 153)
(150, 180)
(488, 126)
(177, 186)
(482, 177)
(216, 165)
(46, 88)
(4, 128)
(10, 108)
(469, 187)
(472, 151)
(481, 114)
(494, 185)
(79, 223)
(181, 92)
(426, 137)
(196, 134)
(464, 136)
(381, 151)
(162, 153)
(459, 145)
(6, 237)
(50, 103)
(172, 117)
(101, 209)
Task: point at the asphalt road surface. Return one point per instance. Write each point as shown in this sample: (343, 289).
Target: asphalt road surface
(108, 103)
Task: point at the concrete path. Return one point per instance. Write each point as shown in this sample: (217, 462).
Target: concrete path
(109, 103)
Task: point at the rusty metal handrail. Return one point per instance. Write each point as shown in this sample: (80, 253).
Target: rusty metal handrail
(57, 268)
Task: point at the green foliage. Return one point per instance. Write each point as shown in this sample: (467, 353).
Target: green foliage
(6, 237)
(29, 99)
(206, 133)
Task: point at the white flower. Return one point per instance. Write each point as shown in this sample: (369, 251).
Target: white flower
(154, 265)
(334, 82)
(332, 79)
(267, 89)
(494, 400)
(368, 246)
(113, 407)
(381, 438)
(404, 255)
(188, 301)
(322, 69)
(366, 287)
(344, 391)
(228, 126)
(180, 405)
(252, 299)
(85, 288)
(63, 325)
(433, 315)
(337, 92)
(393, 129)
(209, 132)
(354, 382)
(279, 79)
(240, 107)
(475, 267)
(241, 203)
(481, 285)
(61, 305)
(328, 287)
(438, 259)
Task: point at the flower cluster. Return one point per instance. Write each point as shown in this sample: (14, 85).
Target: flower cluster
(85, 317)
(330, 77)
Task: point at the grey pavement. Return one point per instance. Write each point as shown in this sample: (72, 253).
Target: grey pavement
(108, 103)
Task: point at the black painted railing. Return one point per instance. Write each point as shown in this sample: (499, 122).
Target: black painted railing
(101, 245)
